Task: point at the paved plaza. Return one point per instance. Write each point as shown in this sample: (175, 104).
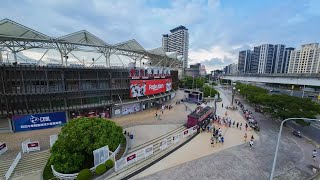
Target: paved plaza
(240, 162)
(200, 146)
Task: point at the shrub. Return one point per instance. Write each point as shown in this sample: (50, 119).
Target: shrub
(72, 151)
(100, 169)
(109, 164)
(85, 174)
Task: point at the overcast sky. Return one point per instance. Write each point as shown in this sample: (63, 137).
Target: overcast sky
(218, 28)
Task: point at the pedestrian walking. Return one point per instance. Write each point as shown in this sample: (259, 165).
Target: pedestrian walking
(252, 138)
(234, 123)
(314, 154)
(212, 141)
(222, 104)
(240, 126)
(251, 143)
(156, 114)
(219, 138)
(237, 124)
(245, 137)
(186, 108)
(246, 126)
(226, 113)
(222, 139)
(159, 117)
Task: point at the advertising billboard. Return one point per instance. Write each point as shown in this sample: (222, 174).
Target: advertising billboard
(38, 121)
(148, 87)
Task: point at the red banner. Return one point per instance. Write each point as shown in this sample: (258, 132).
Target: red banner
(2, 146)
(33, 144)
(148, 87)
(132, 157)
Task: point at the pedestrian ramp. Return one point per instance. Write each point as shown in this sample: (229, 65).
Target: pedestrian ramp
(135, 168)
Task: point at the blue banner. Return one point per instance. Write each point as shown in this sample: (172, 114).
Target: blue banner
(38, 121)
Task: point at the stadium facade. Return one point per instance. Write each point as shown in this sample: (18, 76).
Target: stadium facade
(34, 96)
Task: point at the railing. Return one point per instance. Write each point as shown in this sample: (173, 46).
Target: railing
(13, 165)
(74, 175)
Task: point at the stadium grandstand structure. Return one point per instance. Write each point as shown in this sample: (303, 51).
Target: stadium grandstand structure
(17, 37)
(28, 89)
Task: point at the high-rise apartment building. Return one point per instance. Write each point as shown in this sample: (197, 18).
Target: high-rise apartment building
(244, 61)
(255, 60)
(265, 59)
(305, 60)
(278, 58)
(177, 41)
(286, 59)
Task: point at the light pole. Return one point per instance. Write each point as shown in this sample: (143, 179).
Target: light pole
(278, 141)
(192, 81)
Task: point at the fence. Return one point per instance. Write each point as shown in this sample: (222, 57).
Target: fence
(53, 139)
(13, 165)
(148, 151)
(74, 176)
(24, 146)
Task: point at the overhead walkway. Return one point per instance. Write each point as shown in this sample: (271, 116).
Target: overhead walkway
(297, 79)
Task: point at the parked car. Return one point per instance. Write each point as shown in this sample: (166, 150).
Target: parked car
(273, 90)
(296, 133)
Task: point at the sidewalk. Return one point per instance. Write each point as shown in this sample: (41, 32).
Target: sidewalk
(200, 146)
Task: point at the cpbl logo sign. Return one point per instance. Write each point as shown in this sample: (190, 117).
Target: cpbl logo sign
(38, 121)
(35, 120)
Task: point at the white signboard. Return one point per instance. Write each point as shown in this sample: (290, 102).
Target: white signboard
(120, 164)
(53, 139)
(101, 155)
(140, 154)
(185, 133)
(148, 151)
(131, 158)
(33, 146)
(163, 144)
(176, 138)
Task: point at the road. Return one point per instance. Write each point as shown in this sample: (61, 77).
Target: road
(294, 157)
(296, 93)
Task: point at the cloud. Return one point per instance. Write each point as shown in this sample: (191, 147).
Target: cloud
(218, 29)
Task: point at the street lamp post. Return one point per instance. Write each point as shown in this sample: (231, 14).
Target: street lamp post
(278, 142)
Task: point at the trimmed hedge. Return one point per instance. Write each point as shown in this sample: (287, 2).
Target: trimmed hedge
(109, 164)
(84, 174)
(100, 169)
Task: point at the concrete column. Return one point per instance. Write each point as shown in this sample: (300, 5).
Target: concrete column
(304, 86)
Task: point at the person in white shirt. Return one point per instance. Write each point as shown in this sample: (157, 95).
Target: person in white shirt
(251, 143)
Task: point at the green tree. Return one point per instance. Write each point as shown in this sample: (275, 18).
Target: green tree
(207, 90)
(72, 151)
(279, 105)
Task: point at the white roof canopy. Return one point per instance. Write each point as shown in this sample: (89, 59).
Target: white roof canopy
(83, 37)
(131, 45)
(10, 28)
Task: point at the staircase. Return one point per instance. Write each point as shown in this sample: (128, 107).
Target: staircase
(31, 162)
(4, 166)
(128, 171)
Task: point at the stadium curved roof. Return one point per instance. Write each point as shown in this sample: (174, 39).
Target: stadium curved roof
(13, 29)
(130, 45)
(20, 35)
(83, 37)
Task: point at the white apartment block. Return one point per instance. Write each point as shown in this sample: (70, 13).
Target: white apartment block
(265, 59)
(305, 60)
(177, 41)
